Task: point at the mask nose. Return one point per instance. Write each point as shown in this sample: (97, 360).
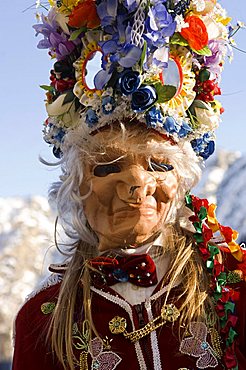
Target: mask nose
(135, 185)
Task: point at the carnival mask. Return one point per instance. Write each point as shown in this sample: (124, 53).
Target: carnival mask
(131, 194)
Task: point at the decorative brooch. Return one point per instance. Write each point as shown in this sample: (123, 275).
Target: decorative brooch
(169, 313)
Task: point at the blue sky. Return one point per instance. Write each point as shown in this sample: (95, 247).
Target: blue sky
(24, 68)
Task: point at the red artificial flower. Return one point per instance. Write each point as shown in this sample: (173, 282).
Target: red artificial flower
(84, 15)
(61, 84)
(230, 358)
(196, 33)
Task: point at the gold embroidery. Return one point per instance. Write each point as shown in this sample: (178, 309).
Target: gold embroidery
(234, 277)
(215, 337)
(169, 313)
(47, 307)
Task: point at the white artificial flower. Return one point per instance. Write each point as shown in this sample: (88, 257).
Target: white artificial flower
(180, 23)
(207, 118)
(199, 5)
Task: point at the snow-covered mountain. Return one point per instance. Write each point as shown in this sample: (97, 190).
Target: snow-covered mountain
(27, 227)
(26, 234)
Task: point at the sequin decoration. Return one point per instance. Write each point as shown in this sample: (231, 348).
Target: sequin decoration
(197, 346)
(47, 307)
(103, 360)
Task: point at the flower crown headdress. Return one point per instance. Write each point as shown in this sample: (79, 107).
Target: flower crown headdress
(157, 61)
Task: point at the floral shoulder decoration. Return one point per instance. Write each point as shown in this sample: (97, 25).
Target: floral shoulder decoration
(97, 349)
(157, 61)
(211, 238)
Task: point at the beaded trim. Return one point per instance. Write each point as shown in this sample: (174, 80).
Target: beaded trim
(126, 306)
(154, 341)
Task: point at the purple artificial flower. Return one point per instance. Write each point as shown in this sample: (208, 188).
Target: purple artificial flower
(159, 24)
(54, 38)
(213, 62)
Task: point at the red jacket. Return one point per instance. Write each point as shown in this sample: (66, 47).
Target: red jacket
(158, 350)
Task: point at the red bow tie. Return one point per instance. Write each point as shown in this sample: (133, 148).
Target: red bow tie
(137, 269)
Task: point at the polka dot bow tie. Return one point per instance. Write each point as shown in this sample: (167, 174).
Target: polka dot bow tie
(137, 269)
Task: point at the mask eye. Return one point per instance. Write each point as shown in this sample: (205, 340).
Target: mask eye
(103, 170)
(161, 167)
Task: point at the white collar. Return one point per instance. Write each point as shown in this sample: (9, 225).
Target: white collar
(139, 250)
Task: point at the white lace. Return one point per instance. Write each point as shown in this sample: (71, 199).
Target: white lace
(138, 25)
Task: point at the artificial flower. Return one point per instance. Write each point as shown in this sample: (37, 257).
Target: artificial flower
(143, 98)
(204, 146)
(173, 127)
(159, 25)
(154, 117)
(196, 34)
(54, 38)
(84, 15)
(129, 82)
(91, 118)
(107, 12)
(214, 62)
(108, 104)
(206, 117)
(120, 49)
(64, 6)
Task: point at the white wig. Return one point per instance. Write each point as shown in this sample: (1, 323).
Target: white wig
(80, 148)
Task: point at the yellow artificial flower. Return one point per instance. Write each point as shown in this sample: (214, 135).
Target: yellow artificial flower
(65, 6)
(224, 21)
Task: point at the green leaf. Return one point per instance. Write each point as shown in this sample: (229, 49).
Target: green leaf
(47, 88)
(69, 97)
(205, 51)
(177, 39)
(199, 104)
(76, 33)
(164, 92)
(143, 54)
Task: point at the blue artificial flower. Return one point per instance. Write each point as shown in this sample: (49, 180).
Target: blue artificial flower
(130, 5)
(129, 82)
(173, 127)
(59, 135)
(153, 117)
(143, 98)
(107, 12)
(159, 25)
(57, 152)
(108, 104)
(118, 50)
(91, 117)
(204, 146)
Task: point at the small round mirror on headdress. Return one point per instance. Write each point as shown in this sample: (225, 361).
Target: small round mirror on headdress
(91, 66)
(173, 75)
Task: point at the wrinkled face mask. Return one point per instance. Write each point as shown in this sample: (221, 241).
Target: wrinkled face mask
(130, 197)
